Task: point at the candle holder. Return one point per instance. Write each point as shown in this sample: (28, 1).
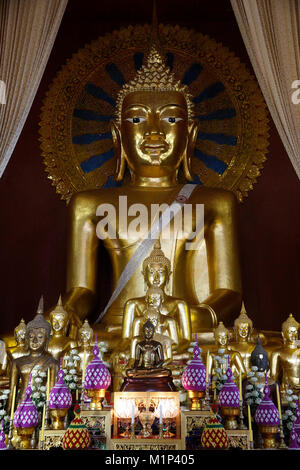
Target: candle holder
(42, 445)
(168, 434)
(132, 434)
(126, 434)
(196, 397)
(206, 401)
(47, 416)
(160, 430)
(9, 445)
(146, 418)
(230, 414)
(82, 398)
(97, 396)
(241, 423)
(269, 435)
(282, 444)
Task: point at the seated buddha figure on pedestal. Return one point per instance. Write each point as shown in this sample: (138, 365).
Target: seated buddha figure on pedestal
(85, 344)
(154, 134)
(148, 373)
(222, 348)
(285, 362)
(59, 343)
(37, 338)
(165, 327)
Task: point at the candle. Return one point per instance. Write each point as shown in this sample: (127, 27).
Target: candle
(207, 366)
(83, 369)
(278, 401)
(132, 413)
(160, 413)
(250, 424)
(241, 394)
(76, 395)
(48, 383)
(13, 404)
(43, 424)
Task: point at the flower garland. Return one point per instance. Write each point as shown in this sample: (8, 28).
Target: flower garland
(254, 389)
(289, 415)
(220, 366)
(38, 395)
(3, 413)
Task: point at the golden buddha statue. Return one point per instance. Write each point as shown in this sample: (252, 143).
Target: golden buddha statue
(85, 344)
(59, 343)
(221, 335)
(37, 338)
(156, 272)
(243, 344)
(154, 135)
(20, 348)
(5, 364)
(165, 327)
(285, 362)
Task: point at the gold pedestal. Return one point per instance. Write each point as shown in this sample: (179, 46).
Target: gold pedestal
(196, 397)
(146, 444)
(57, 418)
(269, 434)
(25, 435)
(239, 439)
(97, 397)
(230, 417)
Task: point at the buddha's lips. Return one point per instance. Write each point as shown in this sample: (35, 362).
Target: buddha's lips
(156, 149)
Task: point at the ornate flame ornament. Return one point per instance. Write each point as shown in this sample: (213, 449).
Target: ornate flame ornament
(60, 396)
(267, 418)
(194, 375)
(77, 436)
(228, 400)
(214, 435)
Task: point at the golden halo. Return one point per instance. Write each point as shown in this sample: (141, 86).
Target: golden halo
(75, 139)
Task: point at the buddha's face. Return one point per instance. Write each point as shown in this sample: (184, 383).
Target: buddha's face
(154, 131)
(37, 338)
(58, 322)
(85, 336)
(291, 334)
(156, 275)
(148, 332)
(154, 300)
(222, 338)
(243, 330)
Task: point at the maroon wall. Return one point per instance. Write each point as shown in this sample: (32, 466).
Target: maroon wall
(33, 219)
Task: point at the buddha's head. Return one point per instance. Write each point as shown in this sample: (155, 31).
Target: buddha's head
(221, 335)
(154, 297)
(154, 131)
(85, 334)
(59, 318)
(38, 331)
(20, 332)
(289, 330)
(156, 268)
(148, 330)
(243, 325)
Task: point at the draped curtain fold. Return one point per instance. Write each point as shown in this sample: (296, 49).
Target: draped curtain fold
(27, 32)
(270, 30)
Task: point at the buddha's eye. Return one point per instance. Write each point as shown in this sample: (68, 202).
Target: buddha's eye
(172, 120)
(136, 120)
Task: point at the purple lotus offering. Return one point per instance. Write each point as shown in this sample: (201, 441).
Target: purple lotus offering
(267, 413)
(60, 396)
(2, 438)
(97, 380)
(194, 375)
(26, 415)
(229, 396)
(294, 445)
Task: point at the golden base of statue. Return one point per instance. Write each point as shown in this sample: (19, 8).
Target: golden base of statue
(148, 383)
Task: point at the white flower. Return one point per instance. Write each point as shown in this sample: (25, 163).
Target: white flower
(67, 357)
(72, 386)
(288, 413)
(250, 401)
(293, 418)
(73, 352)
(65, 371)
(260, 374)
(248, 395)
(253, 379)
(190, 350)
(43, 374)
(37, 367)
(250, 374)
(289, 392)
(293, 405)
(38, 380)
(40, 404)
(254, 368)
(2, 412)
(249, 387)
(289, 399)
(295, 397)
(3, 397)
(221, 351)
(215, 378)
(182, 396)
(42, 388)
(35, 395)
(255, 393)
(34, 373)
(75, 378)
(71, 364)
(72, 371)
(289, 425)
(218, 370)
(224, 377)
(68, 377)
(257, 401)
(284, 416)
(7, 391)
(217, 358)
(222, 361)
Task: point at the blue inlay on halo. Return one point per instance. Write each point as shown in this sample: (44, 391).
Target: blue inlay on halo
(86, 139)
(170, 60)
(138, 60)
(96, 161)
(211, 161)
(197, 180)
(192, 73)
(111, 183)
(220, 114)
(88, 115)
(99, 93)
(209, 92)
(221, 139)
(115, 74)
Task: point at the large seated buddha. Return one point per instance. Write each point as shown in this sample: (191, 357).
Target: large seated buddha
(154, 134)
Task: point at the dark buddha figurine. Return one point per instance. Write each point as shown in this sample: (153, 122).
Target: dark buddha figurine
(148, 373)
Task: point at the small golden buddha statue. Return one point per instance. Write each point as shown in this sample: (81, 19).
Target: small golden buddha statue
(5, 364)
(37, 338)
(154, 136)
(156, 272)
(85, 344)
(165, 326)
(59, 343)
(221, 335)
(285, 362)
(243, 327)
(20, 349)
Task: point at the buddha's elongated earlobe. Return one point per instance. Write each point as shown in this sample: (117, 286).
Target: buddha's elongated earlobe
(120, 157)
(188, 154)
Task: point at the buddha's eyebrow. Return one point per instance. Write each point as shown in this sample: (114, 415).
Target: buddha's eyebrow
(170, 105)
(134, 106)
